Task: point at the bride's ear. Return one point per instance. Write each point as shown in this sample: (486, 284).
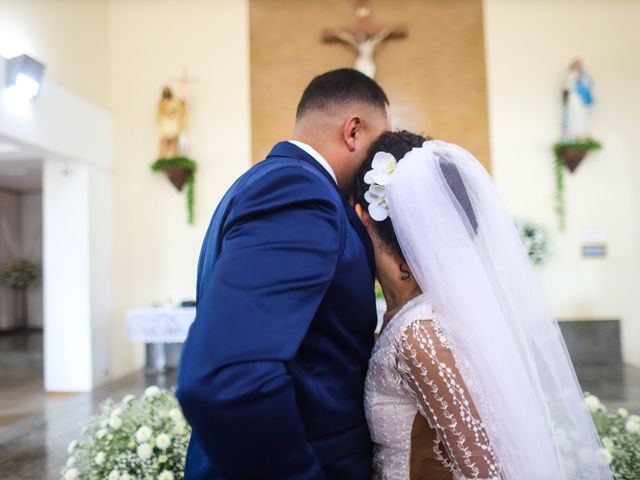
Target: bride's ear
(365, 218)
(361, 214)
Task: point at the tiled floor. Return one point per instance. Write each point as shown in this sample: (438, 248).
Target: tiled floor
(21, 376)
(35, 448)
(617, 385)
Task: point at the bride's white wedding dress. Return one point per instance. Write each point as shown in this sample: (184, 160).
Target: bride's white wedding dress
(509, 406)
(412, 371)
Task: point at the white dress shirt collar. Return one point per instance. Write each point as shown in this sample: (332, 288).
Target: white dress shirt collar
(317, 157)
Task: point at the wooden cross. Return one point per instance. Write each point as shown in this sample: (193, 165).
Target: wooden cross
(365, 37)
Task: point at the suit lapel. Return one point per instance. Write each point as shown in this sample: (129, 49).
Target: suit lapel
(287, 149)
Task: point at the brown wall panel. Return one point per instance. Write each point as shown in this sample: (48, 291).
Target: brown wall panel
(435, 77)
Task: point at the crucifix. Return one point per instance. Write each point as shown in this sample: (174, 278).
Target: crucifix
(182, 84)
(365, 37)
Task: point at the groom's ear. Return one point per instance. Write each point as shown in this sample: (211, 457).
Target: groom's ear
(350, 131)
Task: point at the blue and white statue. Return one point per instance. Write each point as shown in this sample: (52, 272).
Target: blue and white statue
(577, 101)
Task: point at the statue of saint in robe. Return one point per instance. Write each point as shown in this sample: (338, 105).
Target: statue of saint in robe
(577, 101)
(172, 119)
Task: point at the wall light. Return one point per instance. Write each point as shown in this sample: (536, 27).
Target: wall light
(24, 76)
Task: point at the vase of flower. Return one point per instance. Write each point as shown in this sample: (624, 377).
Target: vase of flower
(20, 274)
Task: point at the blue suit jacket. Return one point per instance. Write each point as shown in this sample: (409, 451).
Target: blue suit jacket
(272, 373)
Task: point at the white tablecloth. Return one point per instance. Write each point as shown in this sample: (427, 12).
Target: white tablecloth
(159, 325)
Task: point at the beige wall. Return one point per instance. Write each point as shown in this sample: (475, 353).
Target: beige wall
(69, 36)
(118, 54)
(529, 44)
(151, 42)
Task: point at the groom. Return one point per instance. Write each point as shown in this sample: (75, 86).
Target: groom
(272, 373)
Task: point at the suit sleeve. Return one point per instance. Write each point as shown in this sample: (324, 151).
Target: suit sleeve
(278, 256)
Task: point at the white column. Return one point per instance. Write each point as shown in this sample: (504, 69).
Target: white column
(76, 249)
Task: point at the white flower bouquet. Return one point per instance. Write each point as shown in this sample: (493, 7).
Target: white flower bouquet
(620, 435)
(135, 439)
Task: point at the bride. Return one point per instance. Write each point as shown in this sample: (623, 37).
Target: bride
(470, 377)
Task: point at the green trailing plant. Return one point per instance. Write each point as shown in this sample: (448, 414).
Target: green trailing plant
(535, 239)
(191, 180)
(20, 274)
(559, 149)
(186, 164)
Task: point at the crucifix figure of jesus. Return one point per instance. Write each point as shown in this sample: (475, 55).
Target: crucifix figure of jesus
(365, 38)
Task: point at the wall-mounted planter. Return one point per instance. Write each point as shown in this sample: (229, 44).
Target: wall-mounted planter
(572, 157)
(179, 171)
(177, 176)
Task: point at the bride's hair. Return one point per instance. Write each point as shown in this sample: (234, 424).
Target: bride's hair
(398, 144)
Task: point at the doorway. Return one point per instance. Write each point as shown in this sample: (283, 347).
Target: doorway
(21, 292)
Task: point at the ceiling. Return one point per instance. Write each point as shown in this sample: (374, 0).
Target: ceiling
(20, 171)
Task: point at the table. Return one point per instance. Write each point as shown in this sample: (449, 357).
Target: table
(157, 328)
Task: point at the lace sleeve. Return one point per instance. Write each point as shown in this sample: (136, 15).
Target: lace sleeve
(427, 366)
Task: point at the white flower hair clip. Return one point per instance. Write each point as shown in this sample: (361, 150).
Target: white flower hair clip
(378, 178)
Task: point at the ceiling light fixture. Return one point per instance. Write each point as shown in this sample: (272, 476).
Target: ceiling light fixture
(24, 76)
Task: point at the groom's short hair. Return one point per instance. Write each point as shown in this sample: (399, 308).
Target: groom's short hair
(339, 87)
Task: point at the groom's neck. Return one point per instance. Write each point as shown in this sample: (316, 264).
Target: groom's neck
(325, 147)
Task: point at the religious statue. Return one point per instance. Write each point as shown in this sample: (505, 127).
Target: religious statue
(172, 119)
(577, 100)
(365, 46)
(364, 38)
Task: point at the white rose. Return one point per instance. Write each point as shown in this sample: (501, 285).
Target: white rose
(633, 424)
(101, 433)
(143, 434)
(586, 454)
(115, 422)
(114, 475)
(71, 474)
(126, 476)
(569, 466)
(128, 398)
(606, 455)
(72, 446)
(163, 441)
(180, 428)
(145, 451)
(176, 415)
(116, 412)
(165, 475)
(623, 412)
(71, 461)
(594, 403)
(561, 438)
(100, 457)
(607, 443)
(151, 391)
